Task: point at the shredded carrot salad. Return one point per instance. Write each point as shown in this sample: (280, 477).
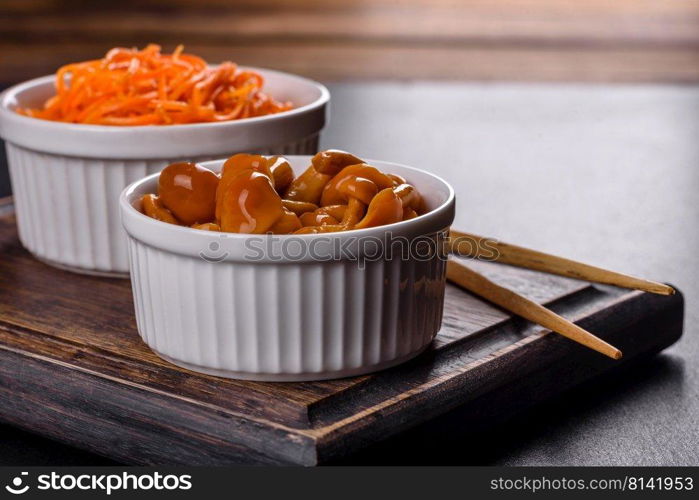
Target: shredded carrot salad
(146, 87)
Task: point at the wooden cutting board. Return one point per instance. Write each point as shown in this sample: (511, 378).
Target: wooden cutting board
(73, 368)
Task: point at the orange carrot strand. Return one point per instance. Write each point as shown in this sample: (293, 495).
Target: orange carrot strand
(145, 87)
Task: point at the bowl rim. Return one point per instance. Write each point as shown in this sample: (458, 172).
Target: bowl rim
(8, 113)
(127, 210)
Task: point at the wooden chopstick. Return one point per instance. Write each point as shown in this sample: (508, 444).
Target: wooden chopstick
(471, 245)
(479, 285)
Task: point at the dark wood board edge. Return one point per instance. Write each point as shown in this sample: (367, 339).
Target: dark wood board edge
(82, 409)
(142, 375)
(629, 322)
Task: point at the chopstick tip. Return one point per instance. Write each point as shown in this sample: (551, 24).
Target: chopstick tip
(661, 289)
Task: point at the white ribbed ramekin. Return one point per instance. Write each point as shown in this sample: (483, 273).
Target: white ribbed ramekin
(240, 306)
(66, 178)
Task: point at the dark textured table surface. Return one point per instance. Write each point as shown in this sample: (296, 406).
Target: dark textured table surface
(606, 174)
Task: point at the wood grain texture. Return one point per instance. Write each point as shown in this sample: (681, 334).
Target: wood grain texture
(549, 40)
(73, 368)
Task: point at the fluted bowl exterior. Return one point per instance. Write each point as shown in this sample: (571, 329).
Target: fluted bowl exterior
(215, 303)
(66, 178)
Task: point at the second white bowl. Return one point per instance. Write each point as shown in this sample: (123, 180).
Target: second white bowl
(66, 178)
(290, 307)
